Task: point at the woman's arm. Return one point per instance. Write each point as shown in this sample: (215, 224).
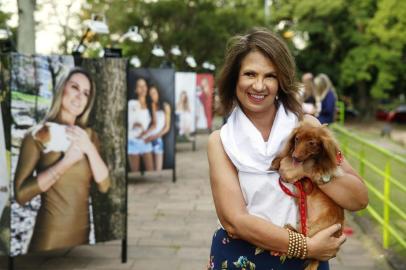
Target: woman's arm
(152, 125)
(27, 186)
(90, 147)
(233, 215)
(347, 190)
(166, 128)
(167, 110)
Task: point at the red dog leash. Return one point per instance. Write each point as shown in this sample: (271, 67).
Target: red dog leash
(302, 196)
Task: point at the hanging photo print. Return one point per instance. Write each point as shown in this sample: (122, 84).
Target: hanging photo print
(151, 125)
(66, 189)
(185, 98)
(204, 100)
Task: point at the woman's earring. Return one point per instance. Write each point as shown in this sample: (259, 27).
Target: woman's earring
(276, 97)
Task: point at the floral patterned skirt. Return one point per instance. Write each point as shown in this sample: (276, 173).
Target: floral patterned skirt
(227, 253)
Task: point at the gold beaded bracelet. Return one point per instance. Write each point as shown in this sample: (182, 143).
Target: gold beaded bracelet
(297, 247)
(304, 255)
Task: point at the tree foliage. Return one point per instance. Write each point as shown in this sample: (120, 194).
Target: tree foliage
(359, 44)
(200, 28)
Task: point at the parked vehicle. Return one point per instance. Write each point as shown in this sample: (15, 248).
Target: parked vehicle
(397, 115)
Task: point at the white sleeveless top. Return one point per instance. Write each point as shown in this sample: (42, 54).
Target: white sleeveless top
(136, 114)
(252, 157)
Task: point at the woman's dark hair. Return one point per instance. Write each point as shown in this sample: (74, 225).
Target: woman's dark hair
(272, 47)
(160, 101)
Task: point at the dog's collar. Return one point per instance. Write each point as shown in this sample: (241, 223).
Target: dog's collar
(339, 158)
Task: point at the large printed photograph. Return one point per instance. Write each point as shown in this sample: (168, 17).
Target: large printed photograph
(185, 97)
(4, 155)
(59, 157)
(204, 101)
(151, 132)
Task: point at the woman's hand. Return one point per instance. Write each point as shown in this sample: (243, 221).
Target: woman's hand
(324, 245)
(150, 138)
(137, 125)
(80, 138)
(72, 155)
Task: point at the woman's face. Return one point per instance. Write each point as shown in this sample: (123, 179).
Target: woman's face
(154, 95)
(141, 88)
(76, 94)
(257, 83)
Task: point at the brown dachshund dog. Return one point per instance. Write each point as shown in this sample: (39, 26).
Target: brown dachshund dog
(312, 150)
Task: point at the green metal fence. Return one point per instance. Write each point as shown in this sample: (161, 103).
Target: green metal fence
(385, 176)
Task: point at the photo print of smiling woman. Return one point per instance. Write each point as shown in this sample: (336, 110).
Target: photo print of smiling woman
(4, 155)
(59, 167)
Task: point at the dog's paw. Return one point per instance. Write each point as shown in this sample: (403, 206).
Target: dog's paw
(276, 163)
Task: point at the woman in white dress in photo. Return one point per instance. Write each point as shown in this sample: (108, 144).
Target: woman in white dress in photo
(161, 124)
(139, 120)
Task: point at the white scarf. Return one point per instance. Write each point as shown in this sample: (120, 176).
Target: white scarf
(252, 157)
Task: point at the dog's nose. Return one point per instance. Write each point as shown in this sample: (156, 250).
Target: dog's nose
(295, 158)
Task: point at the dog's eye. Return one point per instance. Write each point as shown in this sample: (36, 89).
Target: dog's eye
(296, 139)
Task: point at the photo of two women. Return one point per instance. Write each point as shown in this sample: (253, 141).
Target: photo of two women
(151, 143)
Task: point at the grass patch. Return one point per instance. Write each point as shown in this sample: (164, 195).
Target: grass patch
(15, 95)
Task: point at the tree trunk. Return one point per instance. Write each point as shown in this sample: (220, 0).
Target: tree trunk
(364, 101)
(108, 119)
(26, 27)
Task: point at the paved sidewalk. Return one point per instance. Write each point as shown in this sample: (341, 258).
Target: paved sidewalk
(171, 225)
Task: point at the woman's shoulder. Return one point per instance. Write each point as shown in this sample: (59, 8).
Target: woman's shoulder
(214, 140)
(30, 138)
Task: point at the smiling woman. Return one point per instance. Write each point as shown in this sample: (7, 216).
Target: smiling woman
(257, 85)
(63, 179)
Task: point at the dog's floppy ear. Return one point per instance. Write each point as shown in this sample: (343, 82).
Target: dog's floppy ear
(330, 150)
(287, 149)
(290, 143)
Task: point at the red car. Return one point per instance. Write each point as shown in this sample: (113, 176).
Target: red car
(397, 115)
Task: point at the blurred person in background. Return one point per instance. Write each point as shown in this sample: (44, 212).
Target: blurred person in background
(310, 105)
(326, 95)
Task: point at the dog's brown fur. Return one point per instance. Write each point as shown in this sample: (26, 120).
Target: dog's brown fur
(315, 146)
(43, 135)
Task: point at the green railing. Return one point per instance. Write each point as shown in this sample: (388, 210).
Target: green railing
(384, 174)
